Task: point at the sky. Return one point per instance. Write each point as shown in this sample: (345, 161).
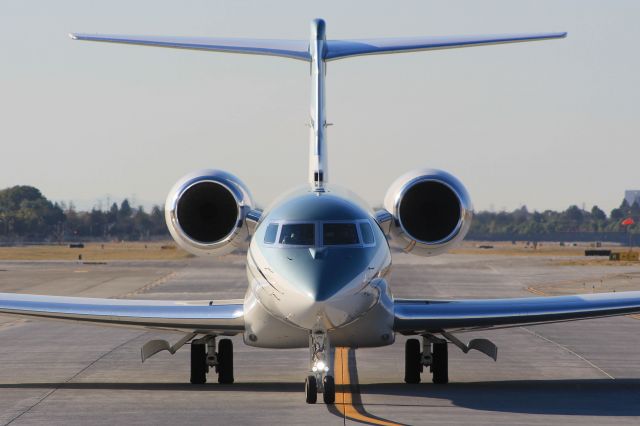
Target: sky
(545, 124)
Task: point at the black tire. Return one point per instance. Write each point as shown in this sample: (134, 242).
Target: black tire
(311, 390)
(412, 361)
(440, 366)
(225, 361)
(198, 363)
(329, 393)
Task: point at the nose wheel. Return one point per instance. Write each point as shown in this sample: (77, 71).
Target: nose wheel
(329, 390)
(320, 378)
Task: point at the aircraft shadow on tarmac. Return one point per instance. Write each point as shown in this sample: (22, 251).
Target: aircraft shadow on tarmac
(209, 387)
(594, 397)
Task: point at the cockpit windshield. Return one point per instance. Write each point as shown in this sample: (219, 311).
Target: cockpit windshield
(339, 234)
(357, 233)
(298, 234)
(271, 233)
(367, 233)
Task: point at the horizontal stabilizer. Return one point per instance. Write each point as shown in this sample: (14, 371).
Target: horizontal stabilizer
(334, 49)
(295, 49)
(337, 49)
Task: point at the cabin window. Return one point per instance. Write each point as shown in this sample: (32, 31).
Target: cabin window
(339, 234)
(366, 232)
(271, 233)
(298, 234)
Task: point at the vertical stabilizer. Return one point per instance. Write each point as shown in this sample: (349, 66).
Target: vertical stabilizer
(318, 123)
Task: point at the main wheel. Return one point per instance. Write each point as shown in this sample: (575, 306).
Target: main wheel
(198, 363)
(329, 393)
(225, 361)
(311, 389)
(412, 361)
(440, 366)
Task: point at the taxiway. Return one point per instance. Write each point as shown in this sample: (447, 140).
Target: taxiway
(576, 373)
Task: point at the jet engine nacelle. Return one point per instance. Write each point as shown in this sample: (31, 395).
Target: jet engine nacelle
(431, 212)
(206, 210)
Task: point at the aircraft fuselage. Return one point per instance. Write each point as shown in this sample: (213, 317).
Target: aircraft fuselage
(317, 262)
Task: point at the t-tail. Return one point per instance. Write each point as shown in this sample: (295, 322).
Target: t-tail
(318, 51)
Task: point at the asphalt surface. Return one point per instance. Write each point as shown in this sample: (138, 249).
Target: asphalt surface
(67, 373)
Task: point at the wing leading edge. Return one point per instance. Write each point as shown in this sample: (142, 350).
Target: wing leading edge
(224, 316)
(433, 316)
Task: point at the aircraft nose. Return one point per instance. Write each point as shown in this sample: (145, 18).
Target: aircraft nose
(324, 287)
(319, 273)
(330, 303)
(319, 290)
(320, 284)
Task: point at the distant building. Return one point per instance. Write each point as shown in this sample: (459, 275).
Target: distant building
(632, 196)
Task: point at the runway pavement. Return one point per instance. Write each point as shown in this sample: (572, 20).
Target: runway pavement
(67, 373)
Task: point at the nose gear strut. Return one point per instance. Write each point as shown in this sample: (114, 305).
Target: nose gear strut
(320, 378)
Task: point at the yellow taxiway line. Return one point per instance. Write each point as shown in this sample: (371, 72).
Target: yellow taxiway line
(346, 388)
(536, 291)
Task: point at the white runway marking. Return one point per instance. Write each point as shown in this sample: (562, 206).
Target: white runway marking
(569, 351)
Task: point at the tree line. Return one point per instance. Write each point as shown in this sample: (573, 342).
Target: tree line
(27, 216)
(572, 224)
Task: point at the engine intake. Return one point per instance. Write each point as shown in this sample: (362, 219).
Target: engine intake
(431, 210)
(205, 212)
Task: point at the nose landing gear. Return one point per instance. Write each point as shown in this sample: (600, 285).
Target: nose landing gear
(321, 378)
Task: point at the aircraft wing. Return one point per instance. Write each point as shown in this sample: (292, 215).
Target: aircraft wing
(222, 316)
(432, 316)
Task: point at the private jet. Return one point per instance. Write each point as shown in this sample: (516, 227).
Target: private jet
(318, 259)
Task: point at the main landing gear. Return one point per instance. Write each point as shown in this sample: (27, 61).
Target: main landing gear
(204, 356)
(433, 355)
(320, 379)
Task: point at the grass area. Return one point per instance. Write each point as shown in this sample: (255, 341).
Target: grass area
(590, 261)
(167, 250)
(97, 252)
(610, 282)
(544, 249)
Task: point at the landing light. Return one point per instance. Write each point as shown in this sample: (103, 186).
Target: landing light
(320, 366)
